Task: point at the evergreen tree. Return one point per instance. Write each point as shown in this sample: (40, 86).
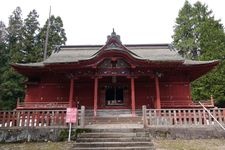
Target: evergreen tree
(3, 33)
(23, 42)
(3, 58)
(212, 43)
(30, 31)
(15, 36)
(3, 50)
(183, 39)
(12, 88)
(12, 83)
(57, 35)
(207, 42)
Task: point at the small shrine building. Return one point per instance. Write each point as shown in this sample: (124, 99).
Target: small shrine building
(112, 76)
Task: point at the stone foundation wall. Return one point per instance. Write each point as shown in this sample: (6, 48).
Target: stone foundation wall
(33, 134)
(9, 135)
(186, 132)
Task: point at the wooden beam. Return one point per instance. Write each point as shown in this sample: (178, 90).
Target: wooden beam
(158, 101)
(132, 96)
(95, 96)
(71, 92)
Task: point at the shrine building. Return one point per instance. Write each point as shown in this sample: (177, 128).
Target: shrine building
(112, 76)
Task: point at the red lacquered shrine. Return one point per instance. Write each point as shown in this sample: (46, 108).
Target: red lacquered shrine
(112, 76)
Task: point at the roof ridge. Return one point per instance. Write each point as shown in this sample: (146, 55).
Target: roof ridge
(100, 45)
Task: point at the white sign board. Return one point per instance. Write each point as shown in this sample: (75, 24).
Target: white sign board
(71, 115)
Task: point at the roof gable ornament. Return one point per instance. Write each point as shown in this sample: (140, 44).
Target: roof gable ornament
(113, 42)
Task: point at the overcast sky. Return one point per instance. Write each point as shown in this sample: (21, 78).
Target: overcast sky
(90, 21)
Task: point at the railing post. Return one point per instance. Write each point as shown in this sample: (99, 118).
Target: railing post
(82, 116)
(52, 118)
(184, 116)
(18, 118)
(204, 116)
(212, 100)
(215, 115)
(170, 117)
(13, 118)
(219, 115)
(17, 102)
(188, 117)
(195, 117)
(28, 119)
(144, 116)
(179, 117)
(175, 116)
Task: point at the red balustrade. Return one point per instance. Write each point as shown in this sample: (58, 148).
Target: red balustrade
(171, 117)
(34, 118)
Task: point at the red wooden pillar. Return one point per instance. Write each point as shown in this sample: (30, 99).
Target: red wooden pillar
(71, 92)
(158, 103)
(132, 96)
(95, 95)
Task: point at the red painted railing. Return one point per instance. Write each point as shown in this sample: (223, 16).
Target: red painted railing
(171, 117)
(42, 105)
(34, 118)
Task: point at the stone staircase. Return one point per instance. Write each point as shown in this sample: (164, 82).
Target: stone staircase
(112, 112)
(113, 116)
(114, 139)
(113, 120)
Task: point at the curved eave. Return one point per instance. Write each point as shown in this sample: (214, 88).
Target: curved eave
(198, 63)
(197, 69)
(31, 65)
(31, 69)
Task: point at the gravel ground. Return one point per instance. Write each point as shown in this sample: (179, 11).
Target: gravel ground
(37, 146)
(200, 144)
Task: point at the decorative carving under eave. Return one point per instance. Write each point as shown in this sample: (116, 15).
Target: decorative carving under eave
(114, 72)
(114, 63)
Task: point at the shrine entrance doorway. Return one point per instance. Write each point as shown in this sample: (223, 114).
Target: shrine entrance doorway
(114, 96)
(114, 93)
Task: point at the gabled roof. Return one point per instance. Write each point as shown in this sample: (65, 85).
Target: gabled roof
(144, 52)
(150, 52)
(162, 53)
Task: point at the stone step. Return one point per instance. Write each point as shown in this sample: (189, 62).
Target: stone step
(113, 133)
(118, 130)
(114, 144)
(106, 135)
(117, 148)
(112, 112)
(114, 139)
(115, 126)
(123, 139)
(112, 120)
